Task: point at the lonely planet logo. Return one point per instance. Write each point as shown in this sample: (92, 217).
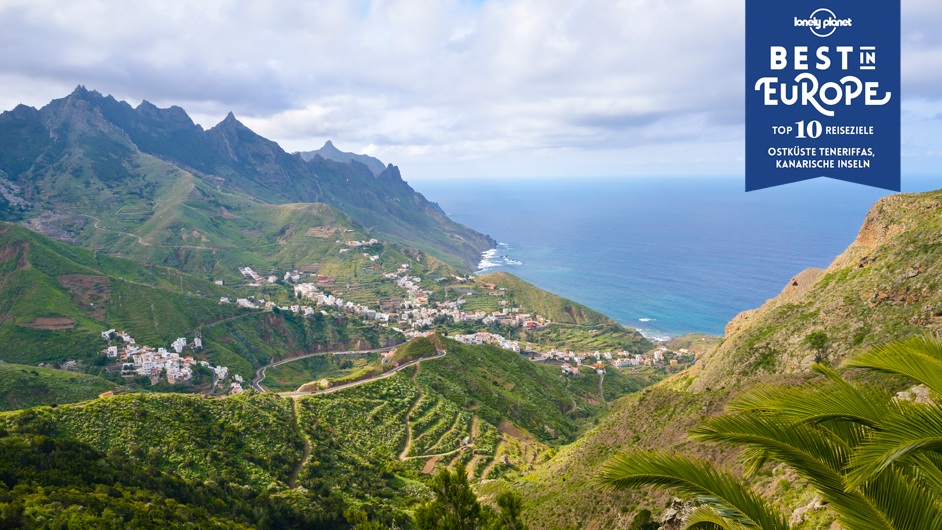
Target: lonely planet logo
(822, 22)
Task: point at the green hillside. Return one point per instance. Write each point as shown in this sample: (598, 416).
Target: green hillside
(23, 386)
(149, 172)
(61, 483)
(883, 287)
(250, 440)
(488, 408)
(535, 300)
(56, 299)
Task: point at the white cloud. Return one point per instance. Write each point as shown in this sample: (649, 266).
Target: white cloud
(532, 85)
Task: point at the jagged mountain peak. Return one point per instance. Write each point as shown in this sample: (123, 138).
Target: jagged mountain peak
(106, 135)
(330, 152)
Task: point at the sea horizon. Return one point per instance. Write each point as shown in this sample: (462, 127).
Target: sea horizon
(663, 255)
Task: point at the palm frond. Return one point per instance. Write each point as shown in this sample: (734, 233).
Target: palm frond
(907, 504)
(831, 400)
(811, 452)
(918, 358)
(706, 518)
(692, 477)
(915, 429)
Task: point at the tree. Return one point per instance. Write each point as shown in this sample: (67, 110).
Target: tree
(456, 507)
(510, 505)
(875, 460)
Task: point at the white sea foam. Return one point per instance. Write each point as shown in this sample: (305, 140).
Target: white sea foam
(646, 319)
(495, 257)
(653, 335)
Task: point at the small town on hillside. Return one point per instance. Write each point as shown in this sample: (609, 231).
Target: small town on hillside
(416, 314)
(142, 360)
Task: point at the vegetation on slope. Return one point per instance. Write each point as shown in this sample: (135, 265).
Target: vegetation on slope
(57, 298)
(60, 483)
(538, 301)
(248, 439)
(885, 286)
(23, 386)
(863, 450)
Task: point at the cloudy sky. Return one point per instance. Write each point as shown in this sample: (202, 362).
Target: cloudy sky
(444, 89)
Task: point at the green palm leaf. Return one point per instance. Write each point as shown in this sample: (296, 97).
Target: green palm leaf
(918, 358)
(908, 504)
(707, 518)
(811, 452)
(693, 477)
(831, 400)
(913, 430)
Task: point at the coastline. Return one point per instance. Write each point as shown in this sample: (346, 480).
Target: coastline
(494, 259)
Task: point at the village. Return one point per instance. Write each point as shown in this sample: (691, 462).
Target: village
(416, 316)
(141, 360)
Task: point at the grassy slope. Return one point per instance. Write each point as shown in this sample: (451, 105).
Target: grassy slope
(535, 300)
(249, 439)
(886, 285)
(29, 386)
(869, 295)
(41, 278)
(255, 339)
(188, 224)
(289, 377)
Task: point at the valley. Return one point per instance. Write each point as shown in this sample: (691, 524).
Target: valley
(274, 340)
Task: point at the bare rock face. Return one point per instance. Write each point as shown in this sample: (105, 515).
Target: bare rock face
(883, 286)
(796, 288)
(675, 515)
(798, 516)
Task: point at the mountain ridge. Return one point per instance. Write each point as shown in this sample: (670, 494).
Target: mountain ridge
(330, 152)
(82, 152)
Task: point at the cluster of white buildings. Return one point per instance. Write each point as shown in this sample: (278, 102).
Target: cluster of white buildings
(484, 337)
(572, 361)
(309, 291)
(354, 243)
(150, 362)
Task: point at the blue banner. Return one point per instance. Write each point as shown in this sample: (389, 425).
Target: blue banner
(822, 92)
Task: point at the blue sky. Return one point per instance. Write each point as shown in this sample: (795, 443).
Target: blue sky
(524, 88)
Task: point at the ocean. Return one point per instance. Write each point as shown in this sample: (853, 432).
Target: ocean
(663, 255)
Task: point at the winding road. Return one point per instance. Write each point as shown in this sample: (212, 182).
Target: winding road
(295, 395)
(260, 373)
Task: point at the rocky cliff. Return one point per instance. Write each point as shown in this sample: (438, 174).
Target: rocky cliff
(884, 286)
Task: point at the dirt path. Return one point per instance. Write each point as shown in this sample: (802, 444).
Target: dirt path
(489, 467)
(601, 395)
(307, 446)
(469, 446)
(402, 455)
(430, 465)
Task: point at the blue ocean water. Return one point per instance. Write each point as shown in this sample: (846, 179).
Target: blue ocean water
(664, 255)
